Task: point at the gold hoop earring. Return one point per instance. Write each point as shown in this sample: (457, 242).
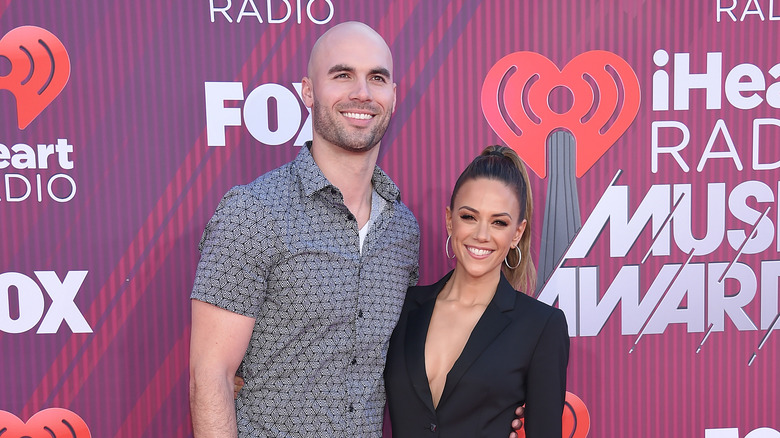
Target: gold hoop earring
(447, 249)
(519, 257)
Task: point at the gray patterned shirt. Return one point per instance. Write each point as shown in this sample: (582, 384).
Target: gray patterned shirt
(284, 249)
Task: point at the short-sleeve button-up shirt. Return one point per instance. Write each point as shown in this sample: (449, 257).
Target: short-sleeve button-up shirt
(285, 250)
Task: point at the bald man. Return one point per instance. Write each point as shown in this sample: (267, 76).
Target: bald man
(303, 271)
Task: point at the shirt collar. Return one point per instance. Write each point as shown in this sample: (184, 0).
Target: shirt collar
(312, 179)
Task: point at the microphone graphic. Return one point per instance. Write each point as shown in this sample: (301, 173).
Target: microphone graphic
(563, 143)
(40, 68)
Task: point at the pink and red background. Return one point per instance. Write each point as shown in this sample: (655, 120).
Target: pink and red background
(134, 110)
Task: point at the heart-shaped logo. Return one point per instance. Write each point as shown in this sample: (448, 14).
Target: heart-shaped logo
(48, 423)
(576, 419)
(40, 68)
(516, 102)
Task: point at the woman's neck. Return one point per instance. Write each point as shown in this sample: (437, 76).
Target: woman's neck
(470, 290)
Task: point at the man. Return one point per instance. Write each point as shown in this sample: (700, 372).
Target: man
(303, 271)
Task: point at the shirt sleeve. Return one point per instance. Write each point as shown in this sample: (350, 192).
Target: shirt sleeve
(234, 259)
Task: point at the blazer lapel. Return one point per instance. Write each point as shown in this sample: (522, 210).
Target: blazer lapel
(489, 326)
(416, 334)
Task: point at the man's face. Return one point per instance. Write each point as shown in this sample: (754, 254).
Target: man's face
(350, 91)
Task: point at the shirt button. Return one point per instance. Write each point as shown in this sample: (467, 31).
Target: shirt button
(354, 361)
(433, 427)
(351, 408)
(350, 217)
(360, 313)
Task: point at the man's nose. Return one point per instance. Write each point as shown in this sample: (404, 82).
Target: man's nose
(360, 90)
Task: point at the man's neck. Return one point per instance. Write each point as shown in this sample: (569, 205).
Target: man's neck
(351, 173)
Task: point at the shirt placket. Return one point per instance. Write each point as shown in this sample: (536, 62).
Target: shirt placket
(350, 284)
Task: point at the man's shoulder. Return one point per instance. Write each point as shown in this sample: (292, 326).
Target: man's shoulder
(282, 175)
(404, 210)
(388, 190)
(270, 186)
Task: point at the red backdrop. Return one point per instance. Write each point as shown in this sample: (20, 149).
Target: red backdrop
(123, 123)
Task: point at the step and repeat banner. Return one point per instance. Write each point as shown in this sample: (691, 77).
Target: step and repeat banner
(651, 127)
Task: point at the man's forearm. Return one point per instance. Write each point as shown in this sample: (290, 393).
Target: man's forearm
(219, 340)
(212, 408)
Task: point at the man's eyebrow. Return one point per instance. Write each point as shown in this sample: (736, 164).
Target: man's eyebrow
(340, 67)
(345, 68)
(381, 71)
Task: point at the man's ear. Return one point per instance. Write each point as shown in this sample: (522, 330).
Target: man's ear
(394, 98)
(307, 93)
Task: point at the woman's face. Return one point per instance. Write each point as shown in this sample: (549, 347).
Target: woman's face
(484, 224)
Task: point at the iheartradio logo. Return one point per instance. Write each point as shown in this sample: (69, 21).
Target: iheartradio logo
(40, 68)
(560, 142)
(576, 418)
(48, 423)
(516, 103)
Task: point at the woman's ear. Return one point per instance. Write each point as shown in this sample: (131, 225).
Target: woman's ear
(519, 232)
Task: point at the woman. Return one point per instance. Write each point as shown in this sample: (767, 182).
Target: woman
(469, 349)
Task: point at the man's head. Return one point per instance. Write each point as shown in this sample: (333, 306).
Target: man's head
(349, 87)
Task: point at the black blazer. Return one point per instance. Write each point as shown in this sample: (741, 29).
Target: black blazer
(517, 354)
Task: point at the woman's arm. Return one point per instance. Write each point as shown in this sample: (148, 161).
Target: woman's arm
(546, 380)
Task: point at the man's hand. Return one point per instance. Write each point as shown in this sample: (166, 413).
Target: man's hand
(517, 423)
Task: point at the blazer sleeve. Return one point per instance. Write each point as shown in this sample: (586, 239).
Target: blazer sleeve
(546, 384)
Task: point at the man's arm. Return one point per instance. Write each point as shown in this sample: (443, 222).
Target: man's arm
(217, 345)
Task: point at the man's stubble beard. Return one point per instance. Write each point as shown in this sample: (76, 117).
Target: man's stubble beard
(335, 132)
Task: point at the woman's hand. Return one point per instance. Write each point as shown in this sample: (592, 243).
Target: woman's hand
(517, 423)
(238, 383)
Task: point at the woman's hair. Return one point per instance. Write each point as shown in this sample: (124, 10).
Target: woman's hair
(501, 163)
